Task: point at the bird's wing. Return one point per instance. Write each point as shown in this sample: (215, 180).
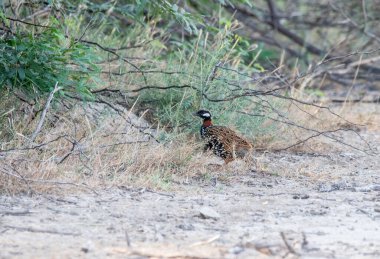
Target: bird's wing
(228, 136)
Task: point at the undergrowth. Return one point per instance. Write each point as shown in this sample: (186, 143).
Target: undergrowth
(201, 74)
(80, 148)
(30, 66)
(108, 72)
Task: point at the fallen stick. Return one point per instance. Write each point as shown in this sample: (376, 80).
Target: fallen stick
(15, 212)
(288, 246)
(208, 241)
(37, 230)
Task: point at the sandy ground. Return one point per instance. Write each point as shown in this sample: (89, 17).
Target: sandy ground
(302, 205)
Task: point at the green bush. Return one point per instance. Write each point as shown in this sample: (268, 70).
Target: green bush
(195, 87)
(33, 63)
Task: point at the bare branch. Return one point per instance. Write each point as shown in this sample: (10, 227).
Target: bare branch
(28, 23)
(42, 119)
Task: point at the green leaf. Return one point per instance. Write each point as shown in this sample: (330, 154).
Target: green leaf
(4, 19)
(158, 44)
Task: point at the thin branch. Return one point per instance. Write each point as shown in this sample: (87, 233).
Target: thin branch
(120, 113)
(34, 146)
(132, 46)
(317, 133)
(42, 119)
(116, 54)
(38, 230)
(288, 246)
(28, 23)
(163, 87)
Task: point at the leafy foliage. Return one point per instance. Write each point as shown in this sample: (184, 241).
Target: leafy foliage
(140, 11)
(32, 64)
(185, 55)
(203, 85)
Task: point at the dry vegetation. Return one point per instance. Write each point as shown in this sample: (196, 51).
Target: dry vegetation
(90, 149)
(92, 146)
(131, 124)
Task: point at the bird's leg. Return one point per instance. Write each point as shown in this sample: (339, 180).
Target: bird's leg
(228, 157)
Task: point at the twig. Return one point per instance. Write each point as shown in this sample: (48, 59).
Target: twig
(212, 74)
(19, 176)
(47, 9)
(28, 23)
(38, 230)
(317, 133)
(163, 87)
(117, 55)
(360, 100)
(33, 147)
(74, 144)
(304, 241)
(160, 193)
(133, 46)
(208, 241)
(15, 212)
(42, 119)
(123, 143)
(8, 112)
(148, 72)
(120, 112)
(127, 239)
(288, 246)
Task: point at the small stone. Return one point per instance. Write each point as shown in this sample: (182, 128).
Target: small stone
(368, 188)
(87, 247)
(318, 212)
(208, 213)
(185, 226)
(377, 209)
(301, 196)
(342, 185)
(236, 250)
(362, 189)
(325, 188)
(117, 215)
(214, 181)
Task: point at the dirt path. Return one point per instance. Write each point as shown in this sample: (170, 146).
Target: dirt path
(257, 214)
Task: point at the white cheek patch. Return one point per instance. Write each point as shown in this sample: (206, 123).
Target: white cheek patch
(206, 114)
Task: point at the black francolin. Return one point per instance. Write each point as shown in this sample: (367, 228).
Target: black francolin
(223, 141)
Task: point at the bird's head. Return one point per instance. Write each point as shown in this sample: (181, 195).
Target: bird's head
(206, 115)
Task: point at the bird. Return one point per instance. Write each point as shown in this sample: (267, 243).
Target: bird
(223, 141)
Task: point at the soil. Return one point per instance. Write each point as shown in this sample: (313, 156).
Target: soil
(307, 205)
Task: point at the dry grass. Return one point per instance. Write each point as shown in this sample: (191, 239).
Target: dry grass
(327, 127)
(86, 148)
(91, 146)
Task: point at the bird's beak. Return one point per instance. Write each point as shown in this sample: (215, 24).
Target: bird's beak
(195, 114)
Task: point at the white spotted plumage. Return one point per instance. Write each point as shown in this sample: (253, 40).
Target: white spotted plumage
(223, 141)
